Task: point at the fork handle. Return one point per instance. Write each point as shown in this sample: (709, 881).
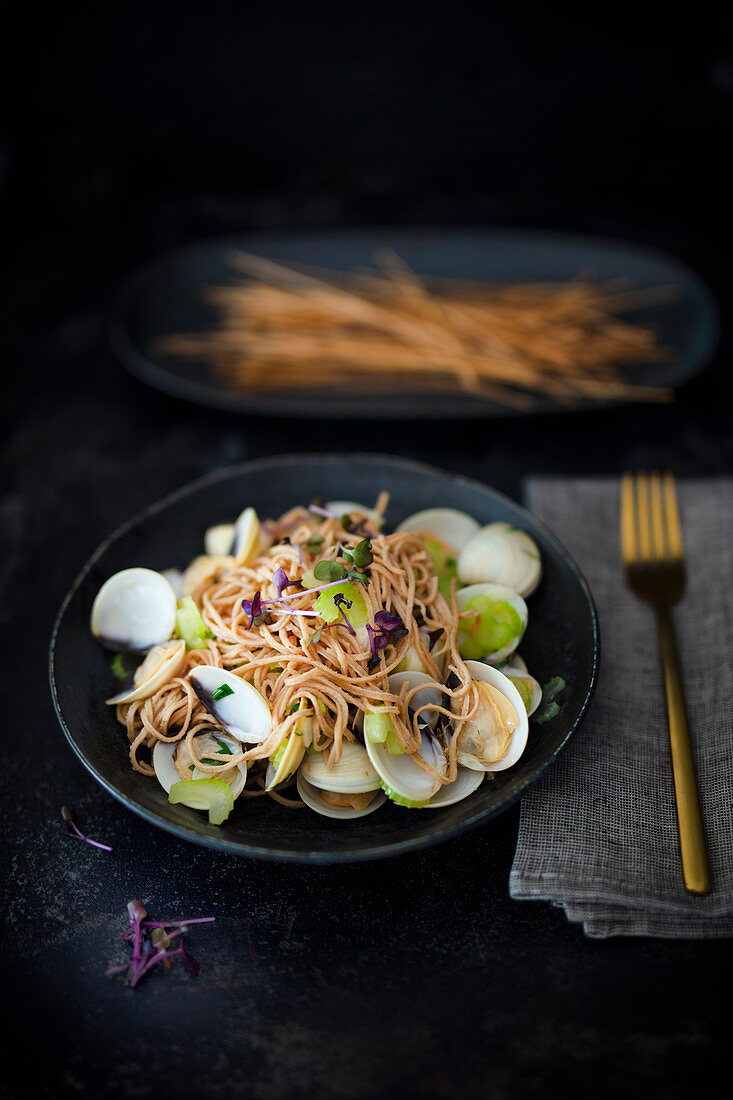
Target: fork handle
(693, 843)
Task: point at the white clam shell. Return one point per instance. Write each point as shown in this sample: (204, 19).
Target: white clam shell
(313, 798)
(162, 663)
(218, 540)
(494, 592)
(134, 610)
(466, 782)
(167, 775)
(501, 554)
(430, 691)
(352, 774)
(452, 527)
(246, 537)
(402, 775)
(244, 713)
(518, 743)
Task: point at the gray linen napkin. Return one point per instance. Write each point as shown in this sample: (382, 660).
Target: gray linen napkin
(598, 835)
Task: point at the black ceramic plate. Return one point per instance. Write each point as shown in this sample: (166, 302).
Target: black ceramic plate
(562, 638)
(166, 297)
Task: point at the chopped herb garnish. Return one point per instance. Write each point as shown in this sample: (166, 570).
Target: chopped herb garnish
(224, 748)
(210, 760)
(329, 570)
(151, 943)
(222, 691)
(72, 830)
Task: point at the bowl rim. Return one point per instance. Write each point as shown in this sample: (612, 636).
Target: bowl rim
(380, 849)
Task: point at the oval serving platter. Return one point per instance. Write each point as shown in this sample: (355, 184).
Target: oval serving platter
(562, 639)
(167, 297)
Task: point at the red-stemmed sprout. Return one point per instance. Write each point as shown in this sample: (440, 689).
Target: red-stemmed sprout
(340, 601)
(152, 941)
(74, 831)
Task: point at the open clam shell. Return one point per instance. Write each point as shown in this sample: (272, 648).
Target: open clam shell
(430, 692)
(219, 540)
(235, 704)
(245, 544)
(167, 774)
(471, 733)
(403, 780)
(313, 798)
(285, 761)
(447, 525)
(466, 782)
(501, 554)
(500, 595)
(529, 688)
(162, 663)
(134, 610)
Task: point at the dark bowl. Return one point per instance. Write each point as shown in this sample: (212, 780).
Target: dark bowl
(562, 639)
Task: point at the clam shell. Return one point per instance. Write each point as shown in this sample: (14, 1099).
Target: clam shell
(452, 527)
(134, 610)
(289, 762)
(494, 592)
(401, 776)
(480, 671)
(219, 540)
(313, 798)
(466, 782)
(244, 713)
(352, 774)
(162, 663)
(430, 691)
(166, 774)
(246, 537)
(501, 554)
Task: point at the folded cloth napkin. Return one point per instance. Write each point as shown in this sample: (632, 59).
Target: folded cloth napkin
(598, 834)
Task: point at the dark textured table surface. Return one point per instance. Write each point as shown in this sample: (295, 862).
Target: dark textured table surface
(416, 977)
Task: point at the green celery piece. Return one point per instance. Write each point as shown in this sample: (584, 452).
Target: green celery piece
(327, 609)
(377, 727)
(191, 627)
(499, 625)
(394, 797)
(394, 748)
(213, 795)
(445, 565)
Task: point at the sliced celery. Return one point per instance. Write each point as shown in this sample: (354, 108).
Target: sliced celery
(213, 795)
(377, 727)
(191, 627)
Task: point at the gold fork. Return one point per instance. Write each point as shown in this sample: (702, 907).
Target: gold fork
(654, 567)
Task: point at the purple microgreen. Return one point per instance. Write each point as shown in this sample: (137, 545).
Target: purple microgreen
(281, 581)
(389, 629)
(152, 943)
(77, 834)
(357, 528)
(318, 511)
(340, 601)
(253, 608)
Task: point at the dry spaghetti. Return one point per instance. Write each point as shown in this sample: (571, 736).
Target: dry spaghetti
(282, 327)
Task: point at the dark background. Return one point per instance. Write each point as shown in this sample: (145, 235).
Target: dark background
(130, 129)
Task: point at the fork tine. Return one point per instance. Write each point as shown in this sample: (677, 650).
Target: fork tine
(628, 539)
(674, 530)
(655, 488)
(642, 507)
